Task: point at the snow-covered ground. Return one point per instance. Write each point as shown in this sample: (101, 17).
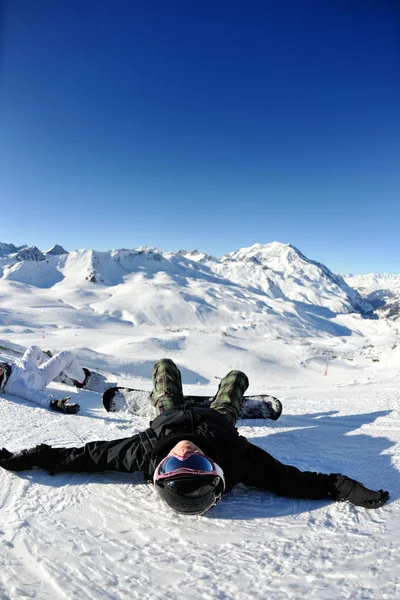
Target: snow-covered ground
(107, 536)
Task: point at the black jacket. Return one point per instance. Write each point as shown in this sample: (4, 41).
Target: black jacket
(241, 461)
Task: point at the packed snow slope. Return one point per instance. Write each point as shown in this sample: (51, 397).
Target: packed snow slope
(298, 331)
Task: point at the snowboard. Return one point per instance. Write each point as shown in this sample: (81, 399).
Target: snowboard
(137, 402)
(97, 382)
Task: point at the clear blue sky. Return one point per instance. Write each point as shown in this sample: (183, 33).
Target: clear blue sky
(211, 125)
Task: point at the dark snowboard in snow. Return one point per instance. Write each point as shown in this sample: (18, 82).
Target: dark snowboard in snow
(138, 403)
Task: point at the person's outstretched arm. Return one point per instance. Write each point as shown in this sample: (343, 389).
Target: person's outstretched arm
(261, 470)
(125, 455)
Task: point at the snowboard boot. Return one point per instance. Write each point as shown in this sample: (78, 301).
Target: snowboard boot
(230, 395)
(85, 381)
(167, 386)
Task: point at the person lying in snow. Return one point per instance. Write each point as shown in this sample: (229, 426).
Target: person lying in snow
(194, 455)
(30, 376)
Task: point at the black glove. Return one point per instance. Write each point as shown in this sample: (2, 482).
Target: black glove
(64, 406)
(26, 459)
(356, 493)
(23, 461)
(4, 453)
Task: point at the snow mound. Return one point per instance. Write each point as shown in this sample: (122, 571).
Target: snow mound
(41, 274)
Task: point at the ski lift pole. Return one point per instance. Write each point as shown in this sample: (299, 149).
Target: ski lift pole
(326, 364)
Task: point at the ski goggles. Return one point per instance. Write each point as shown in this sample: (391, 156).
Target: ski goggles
(190, 464)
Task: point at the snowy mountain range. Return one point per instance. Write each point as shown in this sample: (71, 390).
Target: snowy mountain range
(260, 285)
(7, 249)
(10, 252)
(382, 291)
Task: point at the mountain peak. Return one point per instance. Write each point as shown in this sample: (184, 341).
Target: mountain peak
(274, 255)
(29, 253)
(9, 248)
(297, 276)
(55, 250)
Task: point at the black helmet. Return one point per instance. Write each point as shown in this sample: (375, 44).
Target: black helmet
(191, 494)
